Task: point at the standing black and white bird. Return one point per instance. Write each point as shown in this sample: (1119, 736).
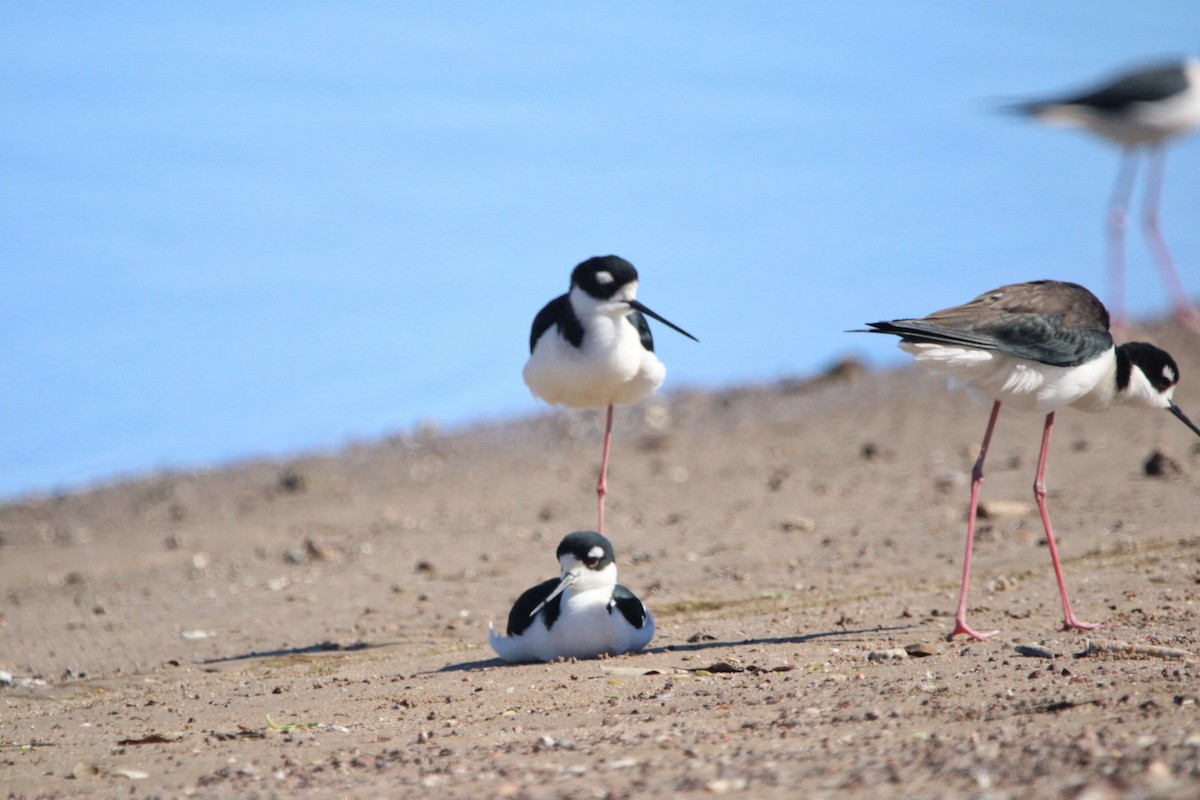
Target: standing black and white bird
(1037, 346)
(583, 613)
(592, 347)
(1137, 110)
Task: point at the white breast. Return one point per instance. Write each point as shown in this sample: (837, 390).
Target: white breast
(612, 366)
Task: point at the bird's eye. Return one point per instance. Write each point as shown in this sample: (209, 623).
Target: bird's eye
(591, 562)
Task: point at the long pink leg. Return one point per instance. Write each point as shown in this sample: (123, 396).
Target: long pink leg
(1184, 312)
(602, 485)
(1117, 213)
(1039, 492)
(960, 618)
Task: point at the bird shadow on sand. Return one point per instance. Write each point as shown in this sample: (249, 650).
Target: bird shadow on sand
(693, 647)
(299, 652)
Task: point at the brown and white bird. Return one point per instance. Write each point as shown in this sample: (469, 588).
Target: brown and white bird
(1037, 346)
(1139, 110)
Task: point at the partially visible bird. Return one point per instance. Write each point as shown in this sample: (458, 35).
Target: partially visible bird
(1037, 346)
(583, 613)
(592, 347)
(1137, 110)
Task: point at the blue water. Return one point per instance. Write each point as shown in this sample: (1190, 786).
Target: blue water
(229, 230)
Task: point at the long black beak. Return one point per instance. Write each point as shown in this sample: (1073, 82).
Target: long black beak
(634, 304)
(1177, 411)
(566, 581)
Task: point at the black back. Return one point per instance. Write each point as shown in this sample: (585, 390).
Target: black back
(630, 607)
(1143, 86)
(521, 616)
(557, 313)
(638, 320)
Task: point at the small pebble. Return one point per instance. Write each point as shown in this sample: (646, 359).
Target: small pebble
(1161, 465)
(1035, 651)
(920, 650)
(994, 509)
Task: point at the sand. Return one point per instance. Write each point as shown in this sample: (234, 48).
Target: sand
(318, 627)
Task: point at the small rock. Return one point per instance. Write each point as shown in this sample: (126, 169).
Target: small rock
(316, 551)
(292, 481)
(887, 655)
(701, 637)
(1161, 465)
(1035, 651)
(995, 509)
(802, 524)
(920, 650)
(197, 634)
(725, 785)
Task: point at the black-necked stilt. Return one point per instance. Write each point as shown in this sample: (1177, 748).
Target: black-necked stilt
(1038, 346)
(583, 613)
(1140, 109)
(592, 347)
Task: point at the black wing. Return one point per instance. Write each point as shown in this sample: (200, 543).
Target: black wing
(1028, 336)
(521, 616)
(557, 313)
(1052, 322)
(1144, 86)
(630, 607)
(643, 328)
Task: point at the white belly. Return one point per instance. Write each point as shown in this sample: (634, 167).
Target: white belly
(1018, 383)
(610, 367)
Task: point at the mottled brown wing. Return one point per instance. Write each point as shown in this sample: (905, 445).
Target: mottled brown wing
(1075, 306)
(1050, 322)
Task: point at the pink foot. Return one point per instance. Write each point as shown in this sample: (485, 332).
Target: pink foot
(1071, 623)
(960, 626)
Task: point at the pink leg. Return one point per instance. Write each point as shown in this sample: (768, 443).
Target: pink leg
(960, 618)
(1117, 212)
(1183, 306)
(1039, 492)
(602, 485)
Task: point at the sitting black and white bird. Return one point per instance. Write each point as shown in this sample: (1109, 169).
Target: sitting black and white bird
(1037, 346)
(592, 347)
(1137, 110)
(583, 613)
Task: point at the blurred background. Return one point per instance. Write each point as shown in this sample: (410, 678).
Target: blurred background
(230, 230)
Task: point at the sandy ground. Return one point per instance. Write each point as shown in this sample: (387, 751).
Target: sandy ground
(318, 627)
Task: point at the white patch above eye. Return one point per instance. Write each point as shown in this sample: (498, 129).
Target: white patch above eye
(596, 552)
(1169, 374)
(604, 278)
